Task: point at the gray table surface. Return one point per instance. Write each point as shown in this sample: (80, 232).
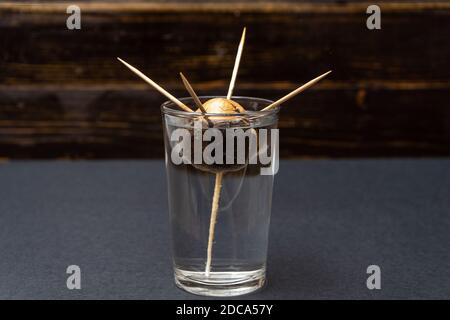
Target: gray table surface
(330, 220)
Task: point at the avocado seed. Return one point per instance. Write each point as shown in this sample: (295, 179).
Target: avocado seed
(221, 105)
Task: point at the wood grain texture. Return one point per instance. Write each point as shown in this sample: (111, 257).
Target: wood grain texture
(127, 123)
(63, 93)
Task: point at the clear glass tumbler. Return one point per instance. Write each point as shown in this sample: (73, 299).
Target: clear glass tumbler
(224, 255)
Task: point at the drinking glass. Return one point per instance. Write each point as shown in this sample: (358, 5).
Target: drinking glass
(237, 250)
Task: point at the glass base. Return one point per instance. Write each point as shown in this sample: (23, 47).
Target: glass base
(220, 284)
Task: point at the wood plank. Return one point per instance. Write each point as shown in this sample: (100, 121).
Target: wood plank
(241, 6)
(63, 94)
(280, 47)
(320, 123)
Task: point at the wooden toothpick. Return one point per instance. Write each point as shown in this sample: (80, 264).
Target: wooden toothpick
(196, 99)
(236, 65)
(191, 91)
(157, 87)
(296, 91)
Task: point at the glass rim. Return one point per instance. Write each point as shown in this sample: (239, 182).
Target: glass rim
(166, 107)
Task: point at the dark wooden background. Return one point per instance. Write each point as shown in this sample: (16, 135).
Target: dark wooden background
(64, 95)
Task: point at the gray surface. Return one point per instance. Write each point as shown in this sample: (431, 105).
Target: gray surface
(331, 219)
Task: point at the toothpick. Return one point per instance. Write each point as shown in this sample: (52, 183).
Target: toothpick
(191, 91)
(236, 65)
(296, 91)
(157, 87)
